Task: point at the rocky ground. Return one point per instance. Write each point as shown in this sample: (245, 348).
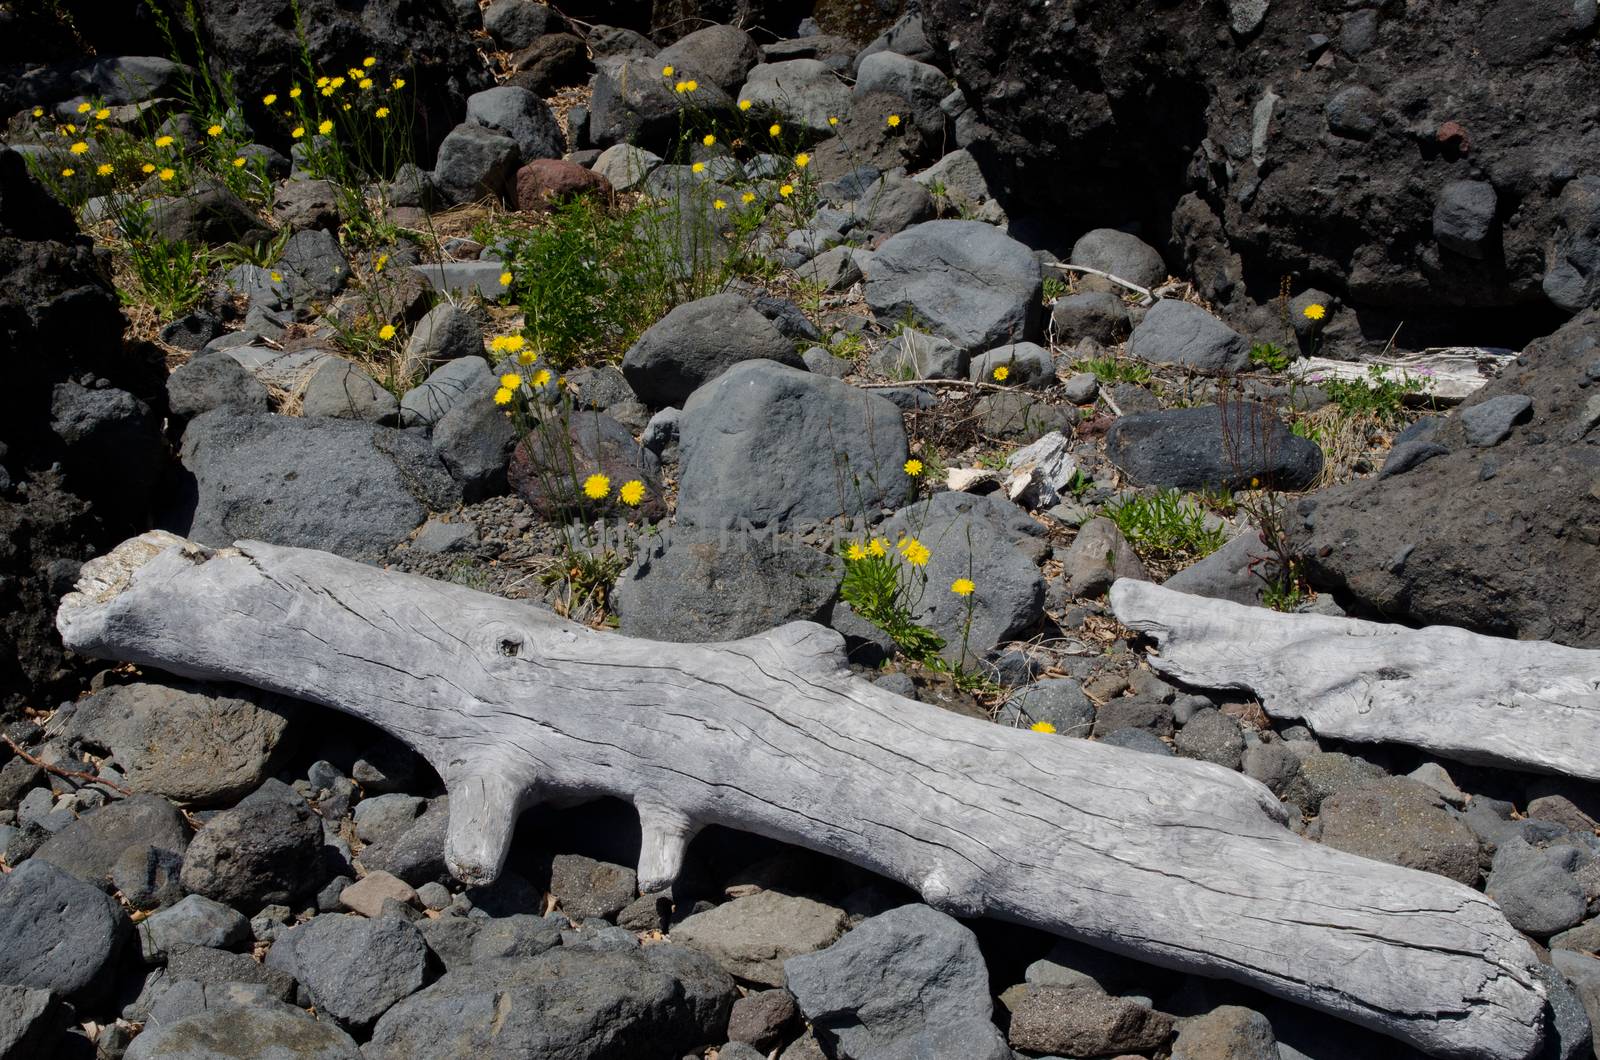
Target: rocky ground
(690, 330)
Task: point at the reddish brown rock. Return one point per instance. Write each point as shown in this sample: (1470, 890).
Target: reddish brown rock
(545, 181)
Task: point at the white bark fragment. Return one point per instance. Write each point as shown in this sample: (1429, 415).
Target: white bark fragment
(1177, 862)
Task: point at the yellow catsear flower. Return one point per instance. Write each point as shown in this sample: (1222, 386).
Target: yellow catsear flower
(84, 108)
(962, 587)
(1315, 311)
(596, 486)
(505, 278)
(893, 121)
(1000, 373)
(915, 552)
(381, 112)
(774, 129)
(104, 169)
(386, 332)
(855, 552)
(79, 148)
(511, 379)
(698, 167)
(786, 191)
(148, 167)
(370, 61)
(878, 546)
(354, 72)
(336, 84)
(38, 112)
(718, 204)
(215, 130)
(238, 163)
(69, 172)
(507, 343)
(667, 71)
(1042, 726)
(913, 467)
(748, 197)
(745, 104)
(708, 140)
(541, 378)
(377, 266)
(294, 93)
(277, 277)
(272, 97)
(503, 396)
(1255, 483)
(328, 91)
(690, 85)
(326, 127)
(527, 357)
(364, 84)
(298, 131)
(322, 81)
(802, 160)
(399, 83)
(163, 141)
(167, 174)
(632, 492)
(832, 120)
(103, 114)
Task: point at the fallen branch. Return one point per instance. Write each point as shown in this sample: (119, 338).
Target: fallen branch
(1448, 375)
(88, 779)
(1527, 704)
(1149, 296)
(1178, 862)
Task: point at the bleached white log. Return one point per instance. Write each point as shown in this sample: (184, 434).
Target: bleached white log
(1527, 704)
(1177, 862)
(1447, 375)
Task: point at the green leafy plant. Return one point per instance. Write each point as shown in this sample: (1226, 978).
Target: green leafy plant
(1054, 287)
(1377, 396)
(1270, 355)
(1114, 369)
(1165, 525)
(170, 275)
(881, 585)
(263, 253)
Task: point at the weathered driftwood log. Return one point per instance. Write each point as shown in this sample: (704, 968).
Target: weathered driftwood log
(1173, 861)
(1446, 375)
(1527, 704)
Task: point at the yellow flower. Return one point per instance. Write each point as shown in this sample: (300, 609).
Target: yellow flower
(148, 167)
(1315, 311)
(238, 163)
(505, 278)
(962, 587)
(744, 104)
(708, 140)
(893, 120)
(690, 85)
(595, 487)
(38, 112)
(327, 90)
(386, 332)
(786, 191)
(377, 266)
(666, 71)
(215, 130)
(774, 129)
(832, 120)
(632, 492)
(503, 396)
(321, 81)
(541, 378)
(163, 141)
(916, 553)
(84, 108)
(277, 277)
(364, 84)
(681, 87)
(855, 552)
(381, 112)
(1000, 373)
(507, 343)
(104, 169)
(511, 379)
(718, 204)
(354, 72)
(527, 357)
(326, 127)
(1042, 726)
(272, 97)
(79, 148)
(103, 114)
(294, 93)
(877, 547)
(802, 159)
(346, 106)
(68, 172)
(167, 174)
(399, 83)
(336, 83)
(698, 167)
(298, 131)
(370, 61)
(748, 197)
(1254, 482)
(913, 467)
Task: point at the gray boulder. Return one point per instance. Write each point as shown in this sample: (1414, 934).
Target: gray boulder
(302, 204)
(351, 488)
(804, 92)
(1025, 363)
(28, 1021)
(211, 381)
(587, 888)
(1097, 315)
(721, 55)
(1228, 1032)
(265, 850)
(202, 745)
(966, 281)
(633, 103)
(751, 937)
(698, 341)
(962, 187)
(1569, 1033)
(474, 163)
(278, 1031)
(1122, 255)
(452, 383)
(909, 982)
(922, 87)
(1572, 262)
(1098, 556)
(769, 444)
(1464, 217)
(1538, 888)
(626, 166)
(356, 968)
(475, 439)
(195, 921)
(690, 586)
(1180, 333)
(1208, 446)
(518, 23)
(445, 332)
(891, 204)
(1582, 972)
(1403, 822)
(548, 472)
(521, 115)
(90, 847)
(1488, 423)
(208, 214)
(313, 266)
(1229, 573)
(565, 1004)
(1085, 1021)
(1325, 773)
(338, 389)
(1212, 736)
(915, 355)
(1057, 700)
(57, 933)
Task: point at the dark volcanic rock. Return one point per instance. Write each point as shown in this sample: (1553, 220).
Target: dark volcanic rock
(1210, 446)
(264, 850)
(1509, 540)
